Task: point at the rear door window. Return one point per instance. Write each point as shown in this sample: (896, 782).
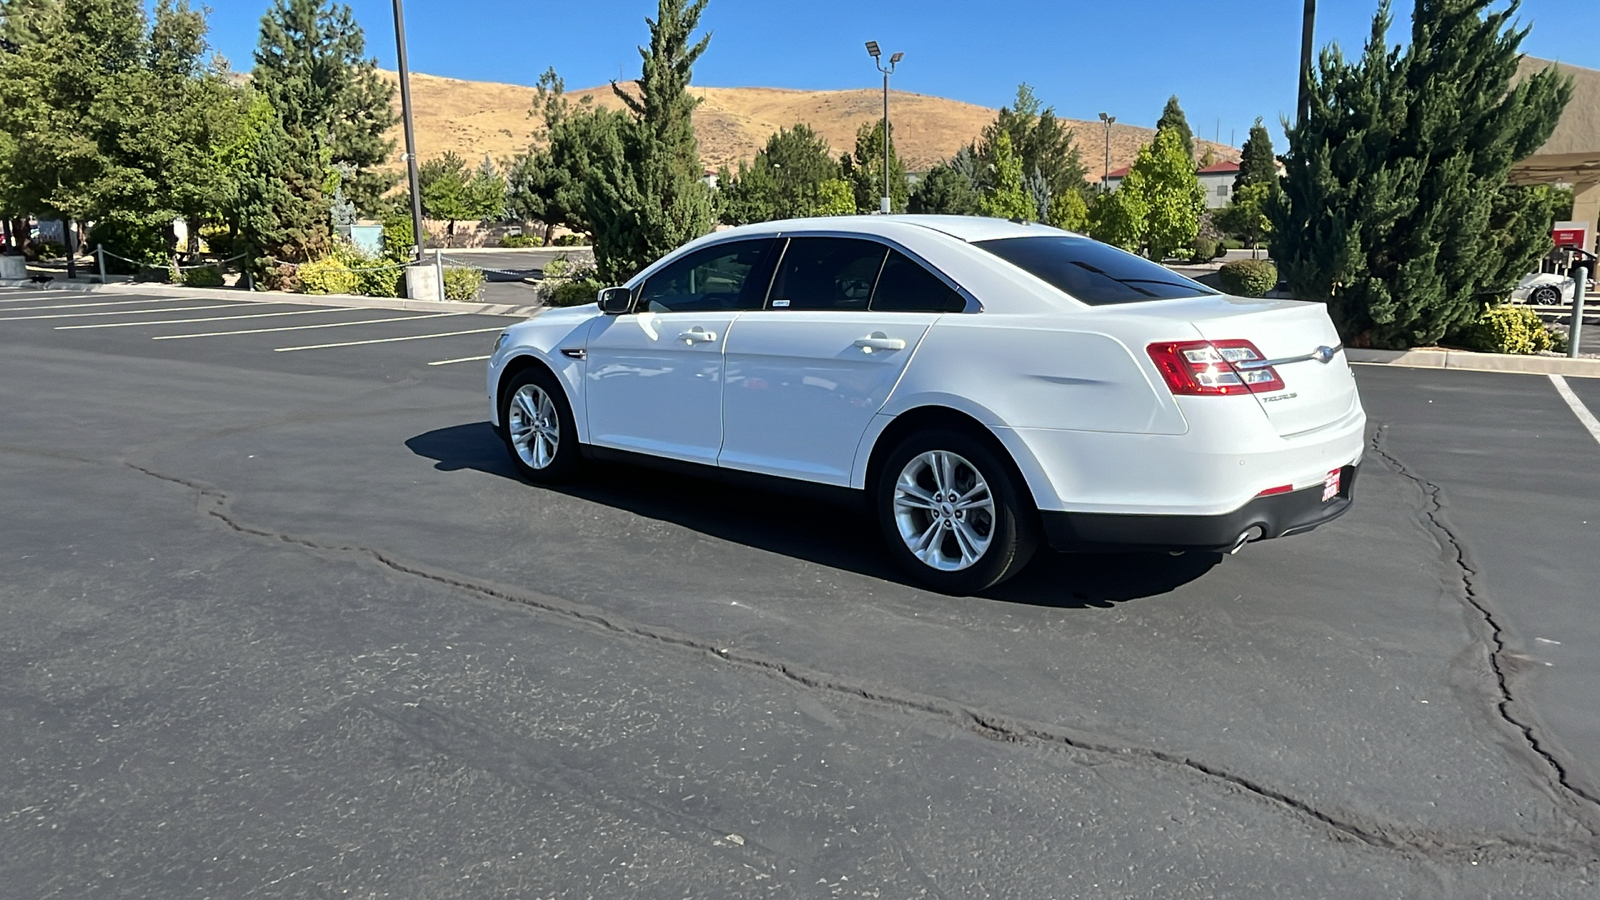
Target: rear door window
(905, 286)
(717, 278)
(827, 273)
(1092, 272)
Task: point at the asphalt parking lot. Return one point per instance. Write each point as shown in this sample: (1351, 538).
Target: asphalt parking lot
(277, 620)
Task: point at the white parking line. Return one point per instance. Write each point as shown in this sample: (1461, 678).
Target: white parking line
(118, 312)
(1578, 409)
(409, 337)
(446, 362)
(147, 301)
(180, 337)
(296, 312)
(33, 296)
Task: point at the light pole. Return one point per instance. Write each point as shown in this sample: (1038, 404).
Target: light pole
(1307, 27)
(411, 140)
(1106, 176)
(872, 49)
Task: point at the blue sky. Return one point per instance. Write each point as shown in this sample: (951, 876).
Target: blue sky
(1228, 62)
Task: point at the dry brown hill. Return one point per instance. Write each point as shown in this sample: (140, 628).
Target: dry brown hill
(478, 118)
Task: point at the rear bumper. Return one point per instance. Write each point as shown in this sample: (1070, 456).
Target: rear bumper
(1273, 516)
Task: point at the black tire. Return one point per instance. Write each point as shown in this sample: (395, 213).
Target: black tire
(1010, 523)
(1545, 295)
(529, 460)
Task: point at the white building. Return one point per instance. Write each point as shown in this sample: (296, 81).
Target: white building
(1216, 179)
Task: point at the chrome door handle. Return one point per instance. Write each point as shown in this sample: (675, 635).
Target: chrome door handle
(697, 335)
(879, 341)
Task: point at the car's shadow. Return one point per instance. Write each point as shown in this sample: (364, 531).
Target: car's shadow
(816, 531)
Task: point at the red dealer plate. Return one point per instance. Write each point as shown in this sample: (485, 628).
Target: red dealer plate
(1330, 486)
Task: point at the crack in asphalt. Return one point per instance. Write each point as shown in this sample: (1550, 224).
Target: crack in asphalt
(1473, 597)
(216, 504)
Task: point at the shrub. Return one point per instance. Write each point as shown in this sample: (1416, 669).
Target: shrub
(49, 250)
(273, 276)
(329, 275)
(379, 277)
(131, 238)
(570, 240)
(461, 283)
(1249, 277)
(1509, 329)
(1227, 244)
(209, 276)
(565, 286)
(1205, 250)
(398, 237)
(521, 240)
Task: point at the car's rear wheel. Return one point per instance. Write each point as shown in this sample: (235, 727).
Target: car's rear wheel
(1545, 295)
(952, 512)
(538, 428)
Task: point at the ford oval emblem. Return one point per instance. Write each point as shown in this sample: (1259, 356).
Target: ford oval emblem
(1325, 354)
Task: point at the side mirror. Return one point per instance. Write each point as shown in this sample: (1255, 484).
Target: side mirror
(615, 301)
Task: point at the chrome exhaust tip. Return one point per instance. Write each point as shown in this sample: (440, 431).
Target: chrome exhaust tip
(1253, 533)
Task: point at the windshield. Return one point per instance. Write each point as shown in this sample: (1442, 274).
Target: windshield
(1092, 272)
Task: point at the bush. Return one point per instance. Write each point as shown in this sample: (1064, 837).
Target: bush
(136, 240)
(461, 283)
(1205, 250)
(1510, 329)
(1249, 277)
(49, 250)
(209, 276)
(1227, 244)
(329, 275)
(570, 240)
(398, 237)
(521, 240)
(379, 277)
(567, 286)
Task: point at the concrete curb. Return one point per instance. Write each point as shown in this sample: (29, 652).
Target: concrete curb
(1477, 362)
(345, 300)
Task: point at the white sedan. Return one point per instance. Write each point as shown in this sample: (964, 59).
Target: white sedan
(1547, 289)
(984, 385)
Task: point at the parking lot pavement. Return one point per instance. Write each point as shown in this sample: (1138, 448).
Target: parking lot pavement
(507, 272)
(291, 608)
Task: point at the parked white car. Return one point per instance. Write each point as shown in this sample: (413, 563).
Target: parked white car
(1545, 289)
(984, 385)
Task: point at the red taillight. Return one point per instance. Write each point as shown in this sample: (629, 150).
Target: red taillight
(1214, 367)
(1280, 489)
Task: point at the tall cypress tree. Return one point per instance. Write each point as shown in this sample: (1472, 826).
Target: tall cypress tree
(1257, 163)
(310, 64)
(1172, 117)
(646, 195)
(1396, 208)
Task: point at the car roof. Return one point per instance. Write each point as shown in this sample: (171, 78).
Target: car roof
(963, 228)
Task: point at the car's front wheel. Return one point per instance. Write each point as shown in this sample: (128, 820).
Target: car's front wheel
(952, 512)
(538, 427)
(1545, 295)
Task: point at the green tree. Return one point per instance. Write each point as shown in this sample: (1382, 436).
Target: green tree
(864, 170)
(1068, 210)
(547, 182)
(1005, 198)
(486, 192)
(1120, 217)
(1045, 145)
(834, 198)
(784, 181)
(444, 183)
(1163, 177)
(645, 193)
(1245, 216)
(945, 190)
(1257, 163)
(310, 64)
(1172, 118)
(1396, 208)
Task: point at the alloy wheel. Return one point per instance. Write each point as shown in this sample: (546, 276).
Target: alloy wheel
(944, 510)
(535, 428)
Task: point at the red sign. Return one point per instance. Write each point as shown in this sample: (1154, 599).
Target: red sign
(1571, 234)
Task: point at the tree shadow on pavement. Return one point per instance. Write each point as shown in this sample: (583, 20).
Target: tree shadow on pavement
(834, 535)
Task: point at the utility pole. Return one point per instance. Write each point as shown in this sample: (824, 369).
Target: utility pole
(874, 52)
(411, 140)
(1307, 28)
(1106, 175)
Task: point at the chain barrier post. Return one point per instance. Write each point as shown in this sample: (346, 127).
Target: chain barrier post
(100, 257)
(1580, 278)
(438, 269)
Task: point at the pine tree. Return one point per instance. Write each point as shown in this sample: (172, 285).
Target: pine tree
(864, 170)
(1005, 197)
(547, 181)
(645, 193)
(310, 63)
(1396, 208)
(784, 181)
(1257, 163)
(1046, 147)
(1172, 117)
(945, 190)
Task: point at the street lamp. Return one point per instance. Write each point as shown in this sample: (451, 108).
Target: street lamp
(1107, 175)
(875, 53)
(411, 141)
(1307, 29)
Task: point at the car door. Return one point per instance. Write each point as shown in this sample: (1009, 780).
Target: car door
(806, 374)
(654, 375)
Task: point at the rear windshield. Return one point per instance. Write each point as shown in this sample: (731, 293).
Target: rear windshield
(1092, 272)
